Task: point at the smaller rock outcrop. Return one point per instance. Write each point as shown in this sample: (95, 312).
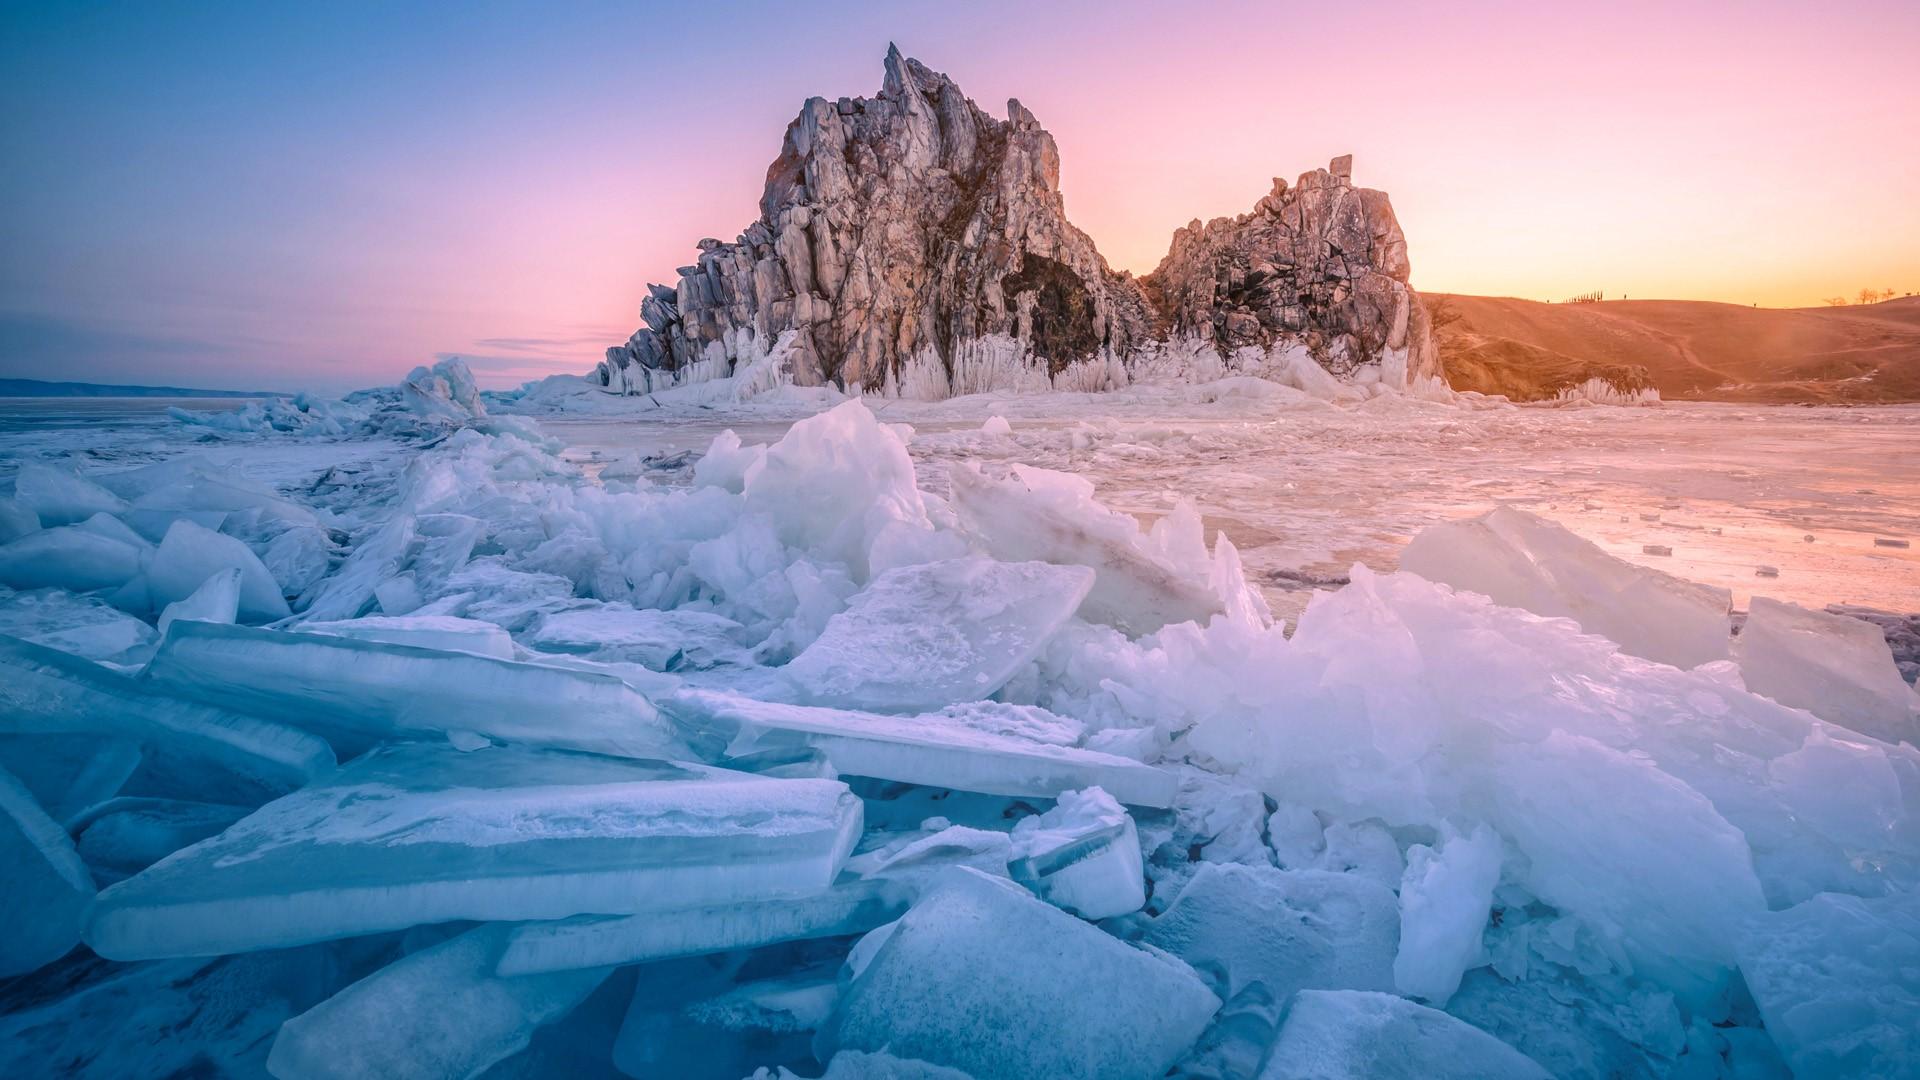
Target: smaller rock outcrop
(1320, 262)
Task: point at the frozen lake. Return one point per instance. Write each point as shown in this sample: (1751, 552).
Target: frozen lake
(1305, 493)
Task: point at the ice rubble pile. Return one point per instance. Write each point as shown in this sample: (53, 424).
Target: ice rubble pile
(430, 401)
(798, 767)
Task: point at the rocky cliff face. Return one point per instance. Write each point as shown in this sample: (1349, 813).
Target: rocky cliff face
(898, 231)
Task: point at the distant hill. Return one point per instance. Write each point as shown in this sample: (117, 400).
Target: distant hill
(37, 388)
(1686, 349)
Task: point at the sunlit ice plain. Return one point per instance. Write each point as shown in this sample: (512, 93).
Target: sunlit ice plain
(941, 629)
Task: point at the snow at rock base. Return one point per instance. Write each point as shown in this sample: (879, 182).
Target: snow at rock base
(809, 764)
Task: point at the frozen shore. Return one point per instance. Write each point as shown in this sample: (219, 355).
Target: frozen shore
(1020, 736)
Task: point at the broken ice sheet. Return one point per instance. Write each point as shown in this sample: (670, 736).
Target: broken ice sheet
(1289, 929)
(1837, 667)
(69, 557)
(1362, 1035)
(984, 747)
(923, 636)
(124, 836)
(876, 887)
(443, 632)
(724, 1037)
(61, 496)
(203, 750)
(1837, 979)
(1524, 561)
(660, 640)
(359, 691)
(423, 833)
(1082, 856)
(81, 625)
(981, 976)
(44, 887)
(440, 1012)
(189, 555)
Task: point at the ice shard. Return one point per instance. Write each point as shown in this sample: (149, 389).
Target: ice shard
(876, 888)
(359, 691)
(1289, 929)
(424, 833)
(920, 637)
(1836, 667)
(981, 977)
(1525, 561)
(208, 751)
(190, 555)
(445, 632)
(44, 887)
(69, 557)
(81, 625)
(1082, 856)
(438, 1013)
(62, 496)
(975, 747)
(1837, 979)
(1053, 517)
(1362, 1035)
(660, 640)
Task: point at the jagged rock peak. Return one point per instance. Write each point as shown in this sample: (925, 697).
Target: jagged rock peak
(897, 231)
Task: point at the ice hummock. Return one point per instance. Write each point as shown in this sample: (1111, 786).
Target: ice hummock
(937, 634)
(1837, 667)
(44, 887)
(1525, 561)
(441, 1012)
(982, 977)
(356, 690)
(424, 833)
(986, 747)
(1364, 1035)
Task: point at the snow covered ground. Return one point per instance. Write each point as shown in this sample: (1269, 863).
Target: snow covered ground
(775, 734)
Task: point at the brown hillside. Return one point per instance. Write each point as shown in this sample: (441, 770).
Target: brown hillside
(1687, 349)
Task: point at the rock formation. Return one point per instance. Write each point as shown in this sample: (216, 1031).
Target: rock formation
(1321, 262)
(897, 231)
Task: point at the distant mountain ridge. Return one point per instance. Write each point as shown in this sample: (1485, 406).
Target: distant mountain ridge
(16, 388)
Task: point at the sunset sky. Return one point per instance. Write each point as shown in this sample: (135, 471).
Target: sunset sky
(321, 196)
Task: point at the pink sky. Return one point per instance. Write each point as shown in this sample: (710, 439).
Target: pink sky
(505, 189)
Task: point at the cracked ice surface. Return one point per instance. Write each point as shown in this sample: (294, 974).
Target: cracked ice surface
(947, 745)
